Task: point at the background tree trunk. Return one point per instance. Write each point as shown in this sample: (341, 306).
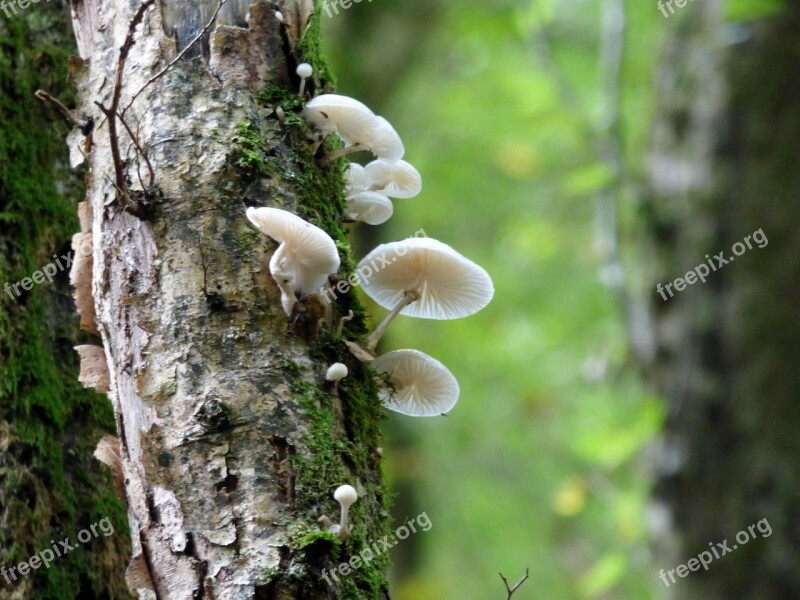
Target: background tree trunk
(723, 165)
(50, 486)
(231, 441)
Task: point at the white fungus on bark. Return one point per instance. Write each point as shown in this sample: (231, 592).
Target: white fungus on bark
(356, 124)
(396, 179)
(336, 372)
(345, 495)
(305, 257)
(304, 71)
(355, 179)
(373, 208)
(342, 114)
(424, 278)
(424, 387)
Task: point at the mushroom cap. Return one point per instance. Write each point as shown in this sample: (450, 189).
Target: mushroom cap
(307, 254)
(383, 140)
(305, 70)
(345, 495)
(450, 286)
(336, 372)
(373, 208)
(346, 115)
(397, 179)
(355, 178)
(424, 386)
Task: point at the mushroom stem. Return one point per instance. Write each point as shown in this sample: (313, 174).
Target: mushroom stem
(342, 321)
(304, 71)
(284, 280)
(408, 297)
(288, 297)
(332, 156)
(343, 528)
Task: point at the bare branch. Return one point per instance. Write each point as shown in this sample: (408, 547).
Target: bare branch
(65, 112)
(111, 112)
(511, 590)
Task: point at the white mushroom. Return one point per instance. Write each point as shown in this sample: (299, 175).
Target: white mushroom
(305, 257)
(424, 387)
(355, 179)
(372, 208)
(397, 179)
(345, 495)
(304, 71)
(425, 278)
(332, 112)
(357, 125)
(383, 141)
(336, 372)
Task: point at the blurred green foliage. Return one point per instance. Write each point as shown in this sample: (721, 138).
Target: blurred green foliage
(541, 464)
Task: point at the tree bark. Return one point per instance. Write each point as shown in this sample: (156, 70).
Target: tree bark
(723, 165)
(231, 443)
(50, 486)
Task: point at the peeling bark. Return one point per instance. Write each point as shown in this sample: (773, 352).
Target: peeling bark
(94, 370)
(230, 445)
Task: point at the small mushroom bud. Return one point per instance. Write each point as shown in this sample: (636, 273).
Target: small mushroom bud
(345, 495)
(304, 71)
(336, 372)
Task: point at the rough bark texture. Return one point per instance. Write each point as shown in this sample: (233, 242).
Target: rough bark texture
(231, 442)
(723, 165)
(50, 486)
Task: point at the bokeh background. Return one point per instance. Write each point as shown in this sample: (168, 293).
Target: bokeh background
(542, 464)
(530, 122)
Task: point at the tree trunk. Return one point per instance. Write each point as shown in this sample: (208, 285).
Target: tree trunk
(50, 486)
(231, 443)
(724, 165)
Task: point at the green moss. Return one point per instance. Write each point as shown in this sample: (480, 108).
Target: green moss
(317, 537)
(344, 428)
(248, 151)
(49, 424)
(309, 49)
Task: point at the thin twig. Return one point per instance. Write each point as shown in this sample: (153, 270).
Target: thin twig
(111, 112)
(139, 151)
(161, 73)
(511, 590)
(66, 113)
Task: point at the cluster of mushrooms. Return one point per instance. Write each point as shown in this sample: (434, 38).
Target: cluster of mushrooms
(417, 277)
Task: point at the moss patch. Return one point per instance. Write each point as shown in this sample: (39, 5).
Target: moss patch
(50, 485)
(274, 157)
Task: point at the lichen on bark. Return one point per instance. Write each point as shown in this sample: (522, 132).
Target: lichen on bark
(233, 442)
